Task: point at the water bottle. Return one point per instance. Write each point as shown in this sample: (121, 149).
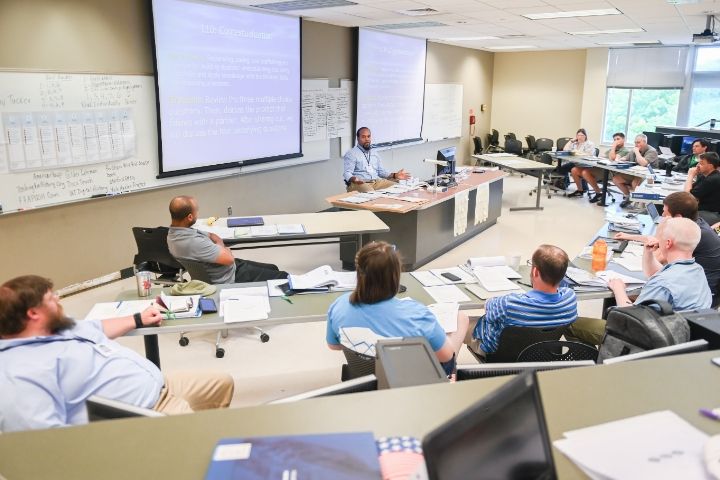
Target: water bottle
(599, 255)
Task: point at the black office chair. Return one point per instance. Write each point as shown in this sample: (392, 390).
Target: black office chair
(530, 149)
(493, 142)
(514, 340)
(513, 146)
(478, 148)
(542, 145)
(100, 408)
(561, 142)
(558, 351)
(358, 365)
(510, 135)
(153, 255)
(198, 271)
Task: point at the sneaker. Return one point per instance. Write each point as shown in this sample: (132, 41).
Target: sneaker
(577, 193)
(595, 198)
(626, 203)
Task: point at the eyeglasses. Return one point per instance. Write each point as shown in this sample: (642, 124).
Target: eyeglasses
(529, 263)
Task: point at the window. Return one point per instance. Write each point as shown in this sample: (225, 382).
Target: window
(705, 94)
(634, 110)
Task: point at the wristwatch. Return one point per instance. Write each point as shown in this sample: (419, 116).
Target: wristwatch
(138, 320)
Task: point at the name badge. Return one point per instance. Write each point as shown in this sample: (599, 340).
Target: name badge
(104, 349)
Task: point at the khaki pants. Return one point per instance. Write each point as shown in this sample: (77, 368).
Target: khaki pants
(588, 330)
(185, 392)
(371, 185)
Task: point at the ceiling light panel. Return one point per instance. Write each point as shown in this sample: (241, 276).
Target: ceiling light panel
(303, 5)
(573, 14)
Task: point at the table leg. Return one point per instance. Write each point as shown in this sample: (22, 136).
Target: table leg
(606, 179)
(537, 199)
(152, 351)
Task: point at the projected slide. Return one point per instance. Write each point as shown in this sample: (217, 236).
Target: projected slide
(390, 86)
(229, 84)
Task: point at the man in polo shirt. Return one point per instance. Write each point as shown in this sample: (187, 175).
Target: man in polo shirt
(50, 365)
(546, 305)
(680, 281)
(699, 146)
(703, 181)
(363, 170)
(644, 155)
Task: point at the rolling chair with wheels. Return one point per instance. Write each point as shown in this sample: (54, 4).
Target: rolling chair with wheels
(358, 365)
(561, 142)
(198, 271)
(513, 146)
(530, 149)
(541, 145)
(558, 351)
(514, 340)
(477, 144)
(493, 142)
(154, 256)
(554, 182)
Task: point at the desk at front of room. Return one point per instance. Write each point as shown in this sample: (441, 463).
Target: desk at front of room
(180, 447)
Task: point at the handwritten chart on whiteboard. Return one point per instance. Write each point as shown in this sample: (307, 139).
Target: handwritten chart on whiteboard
(442, 116)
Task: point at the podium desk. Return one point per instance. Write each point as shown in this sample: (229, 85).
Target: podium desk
(424, 231)
(180, 447)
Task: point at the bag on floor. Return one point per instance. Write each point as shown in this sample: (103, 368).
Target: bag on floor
(642, 327)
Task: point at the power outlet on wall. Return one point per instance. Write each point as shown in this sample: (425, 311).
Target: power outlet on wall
(230, 211)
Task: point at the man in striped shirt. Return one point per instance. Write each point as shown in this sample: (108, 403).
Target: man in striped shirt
(546, 305)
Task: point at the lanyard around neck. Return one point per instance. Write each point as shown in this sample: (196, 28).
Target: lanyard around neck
(367, 154)
(47, 340)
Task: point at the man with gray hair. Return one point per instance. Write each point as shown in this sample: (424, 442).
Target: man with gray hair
(644, 155)
(680, 281)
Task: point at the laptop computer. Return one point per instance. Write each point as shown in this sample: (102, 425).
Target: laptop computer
(504, 435)
(653, 212)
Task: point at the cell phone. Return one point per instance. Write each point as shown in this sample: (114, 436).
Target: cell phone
(450, 276)
(207, 305)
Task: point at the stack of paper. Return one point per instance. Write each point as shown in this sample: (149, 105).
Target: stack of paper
(290, 228)
(263, 230)
(323, 279)
(583, 281)
(658, 445)
(493, 280)
(496, 264)
(446, 314)
(244, 304)
(447, 294)
(620, 223)
(631, 282)
(427, 278)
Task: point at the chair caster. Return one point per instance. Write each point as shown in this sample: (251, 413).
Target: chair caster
(219, 352)
(184, 341)
(549, 197)
(264, 337)
(530, 193)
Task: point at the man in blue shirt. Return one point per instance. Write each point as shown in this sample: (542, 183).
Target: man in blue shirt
(49, 365)
(363, 170)
(546, 305)
(678, 279)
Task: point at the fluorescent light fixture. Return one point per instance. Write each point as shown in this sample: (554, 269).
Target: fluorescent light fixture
(642, 42)
(512, 47)
(469, 39)
(604, 32)
(573, 13)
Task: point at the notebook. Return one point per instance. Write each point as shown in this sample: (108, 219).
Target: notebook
(245, 222)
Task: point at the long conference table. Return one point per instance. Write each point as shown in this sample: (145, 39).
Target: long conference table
(180, 447)
(425, 229)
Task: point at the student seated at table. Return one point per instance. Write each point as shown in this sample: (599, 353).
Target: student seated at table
(373, 311)
(546, 305)
(703, 182)
(581, 145)
(707, 252)
(644, 155)
(185, 242)
(686, 162)
(50, 365)
(591, 174)
(678, 279)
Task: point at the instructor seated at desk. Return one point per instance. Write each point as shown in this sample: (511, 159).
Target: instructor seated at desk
(363, 170)
(546, 305)
(373, 310)
(50, 365)
(185, 242)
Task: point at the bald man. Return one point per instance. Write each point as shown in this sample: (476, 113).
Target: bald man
(679, 281)
(185, 242)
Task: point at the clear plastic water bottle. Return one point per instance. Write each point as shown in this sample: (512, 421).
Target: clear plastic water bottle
(599, 255)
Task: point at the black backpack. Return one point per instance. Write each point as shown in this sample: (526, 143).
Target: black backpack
(640, 327)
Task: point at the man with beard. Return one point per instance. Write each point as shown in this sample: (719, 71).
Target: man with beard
(362, 168)
(50, 365)
(185, 242)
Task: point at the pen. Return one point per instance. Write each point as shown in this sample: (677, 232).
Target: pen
(286, 298)
(713, 413)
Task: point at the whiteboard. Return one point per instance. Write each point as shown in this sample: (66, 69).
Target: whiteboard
(68, 137)
(442, 116)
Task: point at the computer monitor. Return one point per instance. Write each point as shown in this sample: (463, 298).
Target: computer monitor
(654, 139)
(366, 383)
(485, 370)
(681, 348)
(448, 155)
(406, 363)
(504, 435)
(687, 145)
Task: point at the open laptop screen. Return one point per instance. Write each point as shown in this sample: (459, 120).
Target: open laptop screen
(503, 436)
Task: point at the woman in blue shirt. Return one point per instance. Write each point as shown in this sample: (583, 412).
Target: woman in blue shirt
(372, 311)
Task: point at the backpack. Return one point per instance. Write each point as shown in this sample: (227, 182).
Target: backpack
(640, 327)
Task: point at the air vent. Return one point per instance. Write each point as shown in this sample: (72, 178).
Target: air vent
(399, 26)
(304, 5)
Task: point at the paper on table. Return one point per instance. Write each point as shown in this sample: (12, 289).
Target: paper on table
(427, 278)
(446, 314)
(658, 445)
(289, 228)
(263, 230)
(447, 293)
(273, 287)
(244, 308)
(631, 262)
(483, 294)
(252, 297)
(457, 271)
(609, 275)
(104, 310)
(492, 281)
